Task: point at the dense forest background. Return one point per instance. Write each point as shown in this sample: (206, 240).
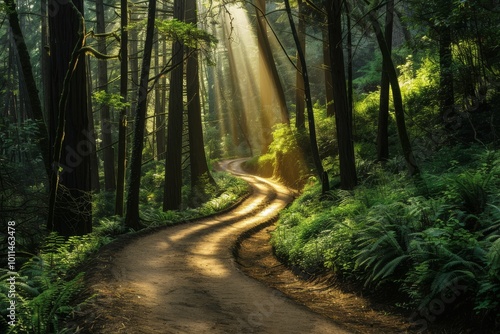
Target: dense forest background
(382, 114)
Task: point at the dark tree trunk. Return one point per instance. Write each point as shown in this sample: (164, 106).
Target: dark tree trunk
(159, 106)
(173, 162)
(132, 216)
(350, 90)
(200, 174)
(446, 88)
(102, 82)
(29, 79)
(397, 97)
(70, 209)
(271, 87)
(343, 117)
(122, 125)
(330, 106)
(312, 127)
(383, 115)
(94, 162)
(45, 60)
(300, 120)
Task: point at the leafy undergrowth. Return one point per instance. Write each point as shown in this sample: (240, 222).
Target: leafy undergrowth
(47, 283)
(434, 240)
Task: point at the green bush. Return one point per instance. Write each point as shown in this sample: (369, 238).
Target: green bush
(393, 230)
(47, 284)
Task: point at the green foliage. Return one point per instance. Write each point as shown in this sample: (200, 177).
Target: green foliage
(47, 284)
(186, 33)
(228, 191)
(415, 234)
(110, 99)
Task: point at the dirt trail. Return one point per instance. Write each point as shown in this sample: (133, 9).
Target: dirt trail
(184, 279)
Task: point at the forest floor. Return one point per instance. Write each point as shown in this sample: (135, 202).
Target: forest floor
(186, 279)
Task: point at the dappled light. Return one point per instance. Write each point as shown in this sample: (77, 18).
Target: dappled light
(157, 155)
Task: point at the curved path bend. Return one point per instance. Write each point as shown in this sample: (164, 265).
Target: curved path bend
(183, 279)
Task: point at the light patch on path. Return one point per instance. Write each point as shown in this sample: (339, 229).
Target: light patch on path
(183, 279)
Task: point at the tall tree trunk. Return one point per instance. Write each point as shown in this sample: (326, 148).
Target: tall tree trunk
(94, 162)
(350, 90)
(271, 87)
(446, 87)
(132, 216)
(70, 208)
(173, 162)
(27, 70)
(102, 82)
(122, 126)
(383, 115)
(200, 173)
(330, 106)
(300, 120)
(159, 106)
(322, 175)
(343, 117)
(397, 97)
(45, 60)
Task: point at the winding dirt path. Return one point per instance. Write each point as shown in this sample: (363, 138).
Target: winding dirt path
(184, 279)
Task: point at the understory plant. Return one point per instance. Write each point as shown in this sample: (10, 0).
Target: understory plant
(436, 238)
(46, 285)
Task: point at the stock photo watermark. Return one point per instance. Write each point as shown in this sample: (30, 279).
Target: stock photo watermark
(421, 318)
(11, 279)
(263, 311)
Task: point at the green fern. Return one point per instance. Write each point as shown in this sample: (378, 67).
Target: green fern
(384, 244)
(472, 189)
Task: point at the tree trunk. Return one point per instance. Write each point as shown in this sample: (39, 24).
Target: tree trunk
(132, 216)
(300, 120)
(312, 127)
(102, 82)
(173, 162)
(383, 115)
(330, 106)
(350, 90)
(122, 126)
(200, 174)
(446, 87)
(70, 207)
(343, 117)
(271, 87)
(159, 106)
(397, 97)
(94, 162)
(34, 99)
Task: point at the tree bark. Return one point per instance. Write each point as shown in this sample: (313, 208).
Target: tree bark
(446, 87)
(300, 120)
(383, 115)
(102, 82)
(271, 87)
(173, 163)
(397, 97)
(310, 113)
(343, 117)
(200, 174)
(132, 216)
(70, 208)
(122, 126)
(159, 106)
(94, 162)
(330, 106)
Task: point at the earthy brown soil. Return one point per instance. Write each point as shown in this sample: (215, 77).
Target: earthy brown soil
(322, 295)
(185, 279)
